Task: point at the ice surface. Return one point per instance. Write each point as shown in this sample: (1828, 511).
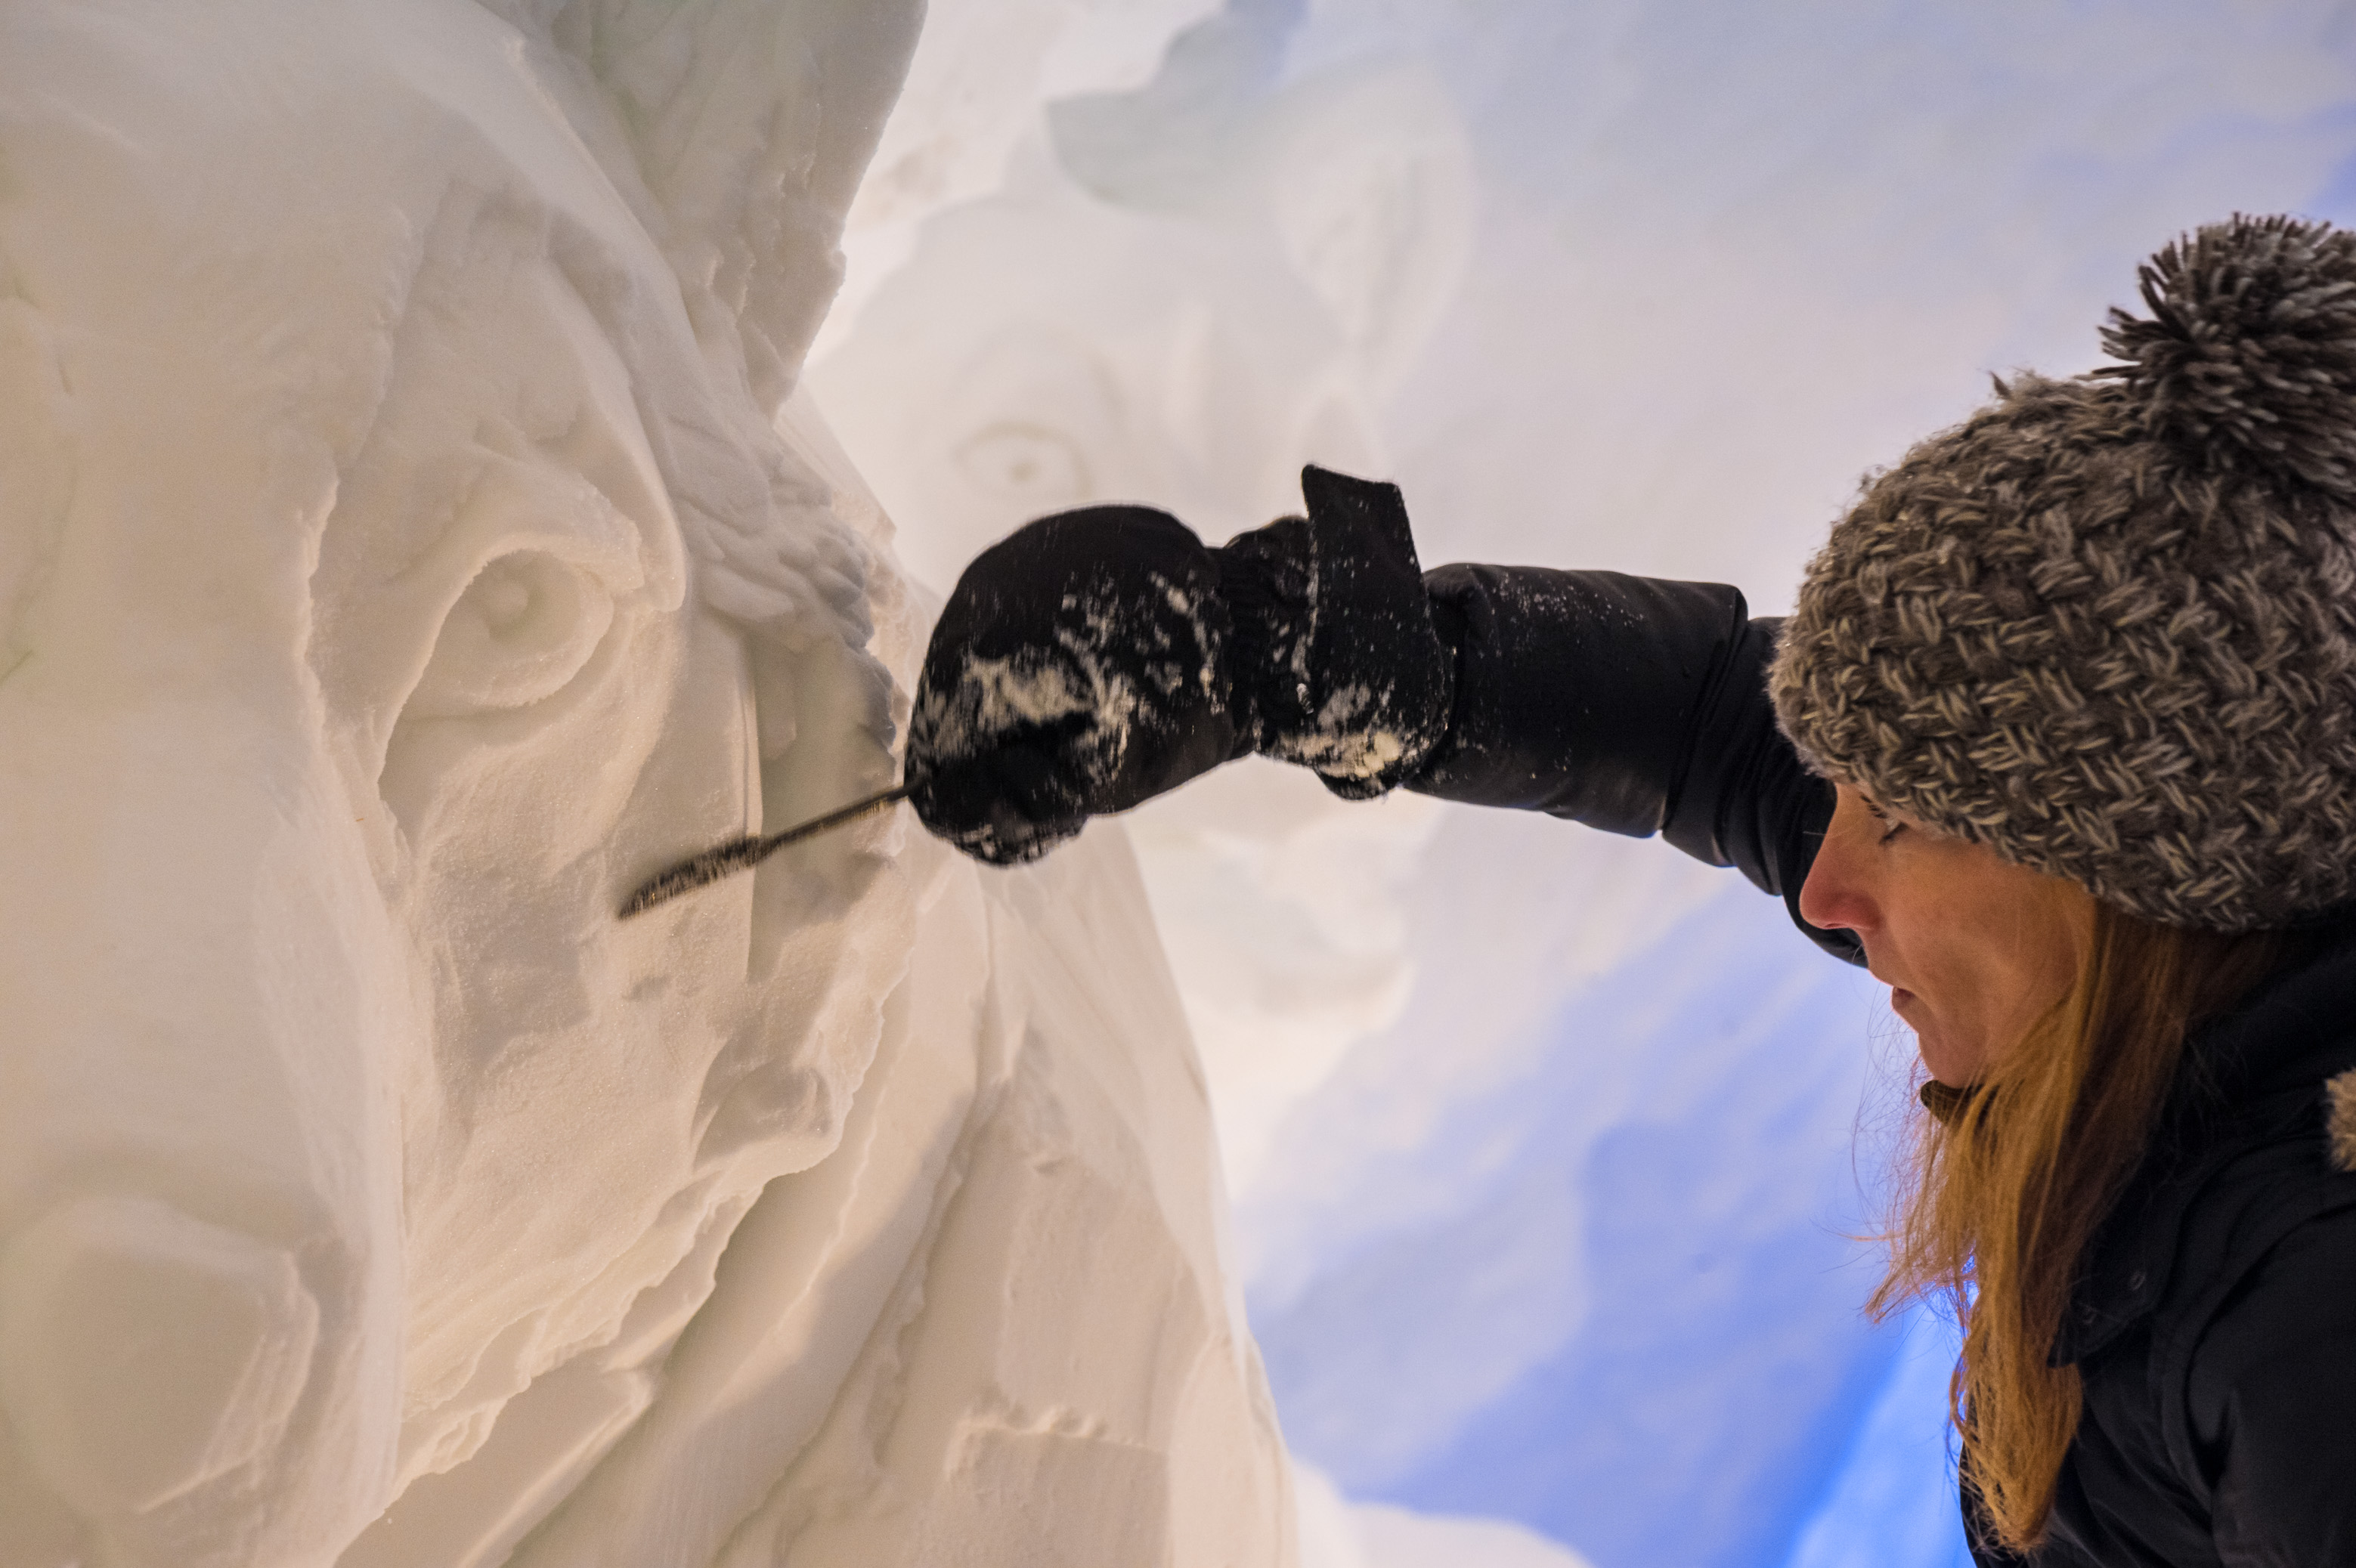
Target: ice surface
(411, 536)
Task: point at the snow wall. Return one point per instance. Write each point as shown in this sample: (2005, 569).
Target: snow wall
(415, 526)
(411, 539)
(1545, 1146)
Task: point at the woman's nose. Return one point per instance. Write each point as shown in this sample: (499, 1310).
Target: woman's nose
(1838, 895)
(1829, 900)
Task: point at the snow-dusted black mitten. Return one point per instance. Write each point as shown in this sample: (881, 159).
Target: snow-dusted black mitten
(1080, 667)
(1095, 658)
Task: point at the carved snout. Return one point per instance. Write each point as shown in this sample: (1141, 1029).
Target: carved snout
(144, 1352)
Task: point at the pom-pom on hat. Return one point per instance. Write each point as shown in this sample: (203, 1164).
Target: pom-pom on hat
(2106, 626)
(2248, 359)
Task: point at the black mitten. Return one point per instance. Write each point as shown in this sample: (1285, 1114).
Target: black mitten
(1078, 668)
(1095, 658)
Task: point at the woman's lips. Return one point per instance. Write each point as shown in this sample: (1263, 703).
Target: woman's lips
(1899, 997)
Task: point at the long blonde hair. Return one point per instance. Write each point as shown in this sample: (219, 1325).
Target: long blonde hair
(2008, 1180)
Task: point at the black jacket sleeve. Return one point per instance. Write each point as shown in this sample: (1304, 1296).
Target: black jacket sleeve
(1630, 704)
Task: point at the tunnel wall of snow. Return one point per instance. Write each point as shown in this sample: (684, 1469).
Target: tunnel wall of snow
(1547, 1147)
(412, 538)
(416, 525)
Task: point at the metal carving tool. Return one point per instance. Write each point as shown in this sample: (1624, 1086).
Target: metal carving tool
(738, 854)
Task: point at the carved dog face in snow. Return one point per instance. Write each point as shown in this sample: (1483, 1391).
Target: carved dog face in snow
(398, 561)
(1195, 298)
(1244, 273)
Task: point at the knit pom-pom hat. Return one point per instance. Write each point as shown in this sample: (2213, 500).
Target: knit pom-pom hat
(2108, 625)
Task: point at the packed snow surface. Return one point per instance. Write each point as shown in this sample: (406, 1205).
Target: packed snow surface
(412, 538)
(416, 526)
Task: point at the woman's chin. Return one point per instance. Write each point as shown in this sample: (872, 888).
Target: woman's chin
(1942, 1058)
(1953, 1068)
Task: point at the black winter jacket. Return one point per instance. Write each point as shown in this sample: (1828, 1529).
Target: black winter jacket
(2214, 1321)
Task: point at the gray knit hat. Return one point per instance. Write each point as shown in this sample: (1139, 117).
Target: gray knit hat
(2106, 626)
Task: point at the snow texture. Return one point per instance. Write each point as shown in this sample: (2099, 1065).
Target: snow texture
(1187, 334)
(410, 537)
(416, 526)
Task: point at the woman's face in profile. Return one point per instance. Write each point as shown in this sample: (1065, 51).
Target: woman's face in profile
(1974, 949)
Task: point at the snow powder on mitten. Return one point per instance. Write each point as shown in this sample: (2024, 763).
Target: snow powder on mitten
(1077, 669)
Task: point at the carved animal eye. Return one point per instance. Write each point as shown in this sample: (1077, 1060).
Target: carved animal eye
(519, 632)
(1026, 462)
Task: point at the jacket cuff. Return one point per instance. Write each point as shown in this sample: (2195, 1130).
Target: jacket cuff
(1337, 664)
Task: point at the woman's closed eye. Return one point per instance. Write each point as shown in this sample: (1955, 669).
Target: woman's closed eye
(1891, 827)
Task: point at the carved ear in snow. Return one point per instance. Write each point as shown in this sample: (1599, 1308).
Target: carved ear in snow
(1364, 175)
(2342, 1119)
(751, 121)
(1371, 187)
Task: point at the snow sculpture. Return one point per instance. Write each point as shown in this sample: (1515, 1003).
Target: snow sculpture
(981, 73)
(409, 538)
(1194, 288)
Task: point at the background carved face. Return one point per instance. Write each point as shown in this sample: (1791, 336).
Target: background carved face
(398, 562)
(1179, 297)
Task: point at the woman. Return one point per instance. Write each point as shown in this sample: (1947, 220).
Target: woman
(2060, 743)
